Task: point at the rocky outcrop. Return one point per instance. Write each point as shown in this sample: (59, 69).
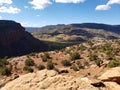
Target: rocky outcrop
(111, 78)
(14, 40)
(112, 75)
(49, 80)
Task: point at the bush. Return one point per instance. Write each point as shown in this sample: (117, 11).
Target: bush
(29, 62)
(28, 69)
(66, 63)
(98, 62)
(82, 48)
(50, 65)
(74, 67)
(93, 57)
(41, 67)
(3, 62)
(113, 63)
(110, 55)
(74, 56)
(45, 57)
(5, 71)
(78, 63)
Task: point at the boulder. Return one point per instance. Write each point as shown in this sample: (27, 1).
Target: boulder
(111, 78)
(111, 75)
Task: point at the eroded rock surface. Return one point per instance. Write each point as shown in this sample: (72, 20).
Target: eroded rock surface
(111, 78)
(49, 80)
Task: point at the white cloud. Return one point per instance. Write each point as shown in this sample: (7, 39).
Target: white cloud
(26, 6)
(103, 7)
(5, 2)
(0, 17)
(40, 4)
(6, 7)
(113, 2)
(10, 10)
(69, 1)
(107, 5)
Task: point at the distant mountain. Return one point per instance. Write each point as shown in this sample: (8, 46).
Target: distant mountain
(29, 29)
(111, 28)
(77, 32)
(14, 40)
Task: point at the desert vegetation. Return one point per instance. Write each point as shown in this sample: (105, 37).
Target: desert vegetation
(5, 67)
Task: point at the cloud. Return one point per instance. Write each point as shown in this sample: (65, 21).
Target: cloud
(6, 7)
(40, 4)
(5, 2)
(10, 10)
(103, 7)
(0, 17)
(69, 1)
(113, 2)
(26, 6)
(107, 6)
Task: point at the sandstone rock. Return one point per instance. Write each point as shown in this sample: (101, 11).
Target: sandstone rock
(48, 80)
(111, 78)
(112, 86)
(112, 75)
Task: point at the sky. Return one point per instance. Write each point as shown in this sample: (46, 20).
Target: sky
(37, 13)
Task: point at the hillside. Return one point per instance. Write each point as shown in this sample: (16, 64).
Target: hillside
(76, 32)
(86, 61)
(15, 41)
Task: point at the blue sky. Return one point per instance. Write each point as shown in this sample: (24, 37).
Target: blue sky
(37, 13)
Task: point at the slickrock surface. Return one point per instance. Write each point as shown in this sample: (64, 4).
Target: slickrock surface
(111, 78)
(49, 80)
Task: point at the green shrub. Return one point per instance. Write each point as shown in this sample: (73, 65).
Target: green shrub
(93, 57)
(28, 69)
(45, 57)
(3, 62)
(78, 63)
(98, 62)
(82, 48)
(110, 55)
(50, 65)
(41, 67)
(86, 63)
(113, 63)
(29, 62)
(66, 63)
(74, 67)
(5, 71)
(75, 56)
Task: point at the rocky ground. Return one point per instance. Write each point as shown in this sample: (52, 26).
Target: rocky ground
(92, 69)
(51, 80)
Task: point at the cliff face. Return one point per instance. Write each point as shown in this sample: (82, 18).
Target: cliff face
(14, 40)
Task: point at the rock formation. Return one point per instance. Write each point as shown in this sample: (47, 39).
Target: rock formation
(49, 80)
(14, 40)
(111, 78)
